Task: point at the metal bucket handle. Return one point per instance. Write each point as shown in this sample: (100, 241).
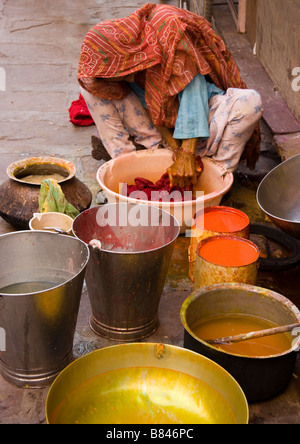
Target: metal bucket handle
(95, 244)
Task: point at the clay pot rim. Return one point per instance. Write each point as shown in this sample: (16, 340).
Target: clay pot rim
(22, 164)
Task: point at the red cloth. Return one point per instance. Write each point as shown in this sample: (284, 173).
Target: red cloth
(162, 186)
(79, 113)
(144, 187)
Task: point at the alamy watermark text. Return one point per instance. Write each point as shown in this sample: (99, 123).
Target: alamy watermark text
(296, 80)
(2, 79)
(2, 340)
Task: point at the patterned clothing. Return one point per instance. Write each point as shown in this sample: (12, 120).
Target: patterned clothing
(232, 118)
(116, 120)
(171, 46)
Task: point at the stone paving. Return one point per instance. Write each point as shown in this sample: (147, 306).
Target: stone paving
(40, 45)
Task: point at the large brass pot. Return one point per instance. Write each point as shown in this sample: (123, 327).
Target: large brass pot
(260, 377)
(145, 383)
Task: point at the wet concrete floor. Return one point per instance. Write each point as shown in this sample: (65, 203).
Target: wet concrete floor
(41, 83)
(27, 406)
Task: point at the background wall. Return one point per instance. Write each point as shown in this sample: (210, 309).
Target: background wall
(274, 26)
(251, 20)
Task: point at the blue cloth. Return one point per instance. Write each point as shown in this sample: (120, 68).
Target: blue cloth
(140, 92)
(192, 119)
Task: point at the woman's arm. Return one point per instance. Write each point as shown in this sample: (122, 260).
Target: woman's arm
(185, 171)
(191, 125)
(167, 136)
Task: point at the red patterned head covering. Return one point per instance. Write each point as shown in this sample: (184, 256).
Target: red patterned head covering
(172, 45)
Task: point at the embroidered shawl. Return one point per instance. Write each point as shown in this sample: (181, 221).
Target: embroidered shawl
(173, 45)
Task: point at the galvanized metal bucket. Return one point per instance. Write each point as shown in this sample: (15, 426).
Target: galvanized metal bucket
(126, 275)
(41, 283)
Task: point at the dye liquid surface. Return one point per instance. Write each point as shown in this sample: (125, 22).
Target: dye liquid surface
(27, 287)
(39, 178)
(143, 395)
(230, 253)
(224, 221)
(230, 325)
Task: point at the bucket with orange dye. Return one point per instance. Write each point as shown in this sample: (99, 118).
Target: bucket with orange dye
(216, 221)
(224, 259)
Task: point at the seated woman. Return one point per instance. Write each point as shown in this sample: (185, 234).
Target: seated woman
(162, 77)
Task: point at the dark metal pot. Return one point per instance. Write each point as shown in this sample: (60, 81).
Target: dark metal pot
(261, 378)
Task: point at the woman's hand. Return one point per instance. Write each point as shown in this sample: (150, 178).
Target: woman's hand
(185, 171)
